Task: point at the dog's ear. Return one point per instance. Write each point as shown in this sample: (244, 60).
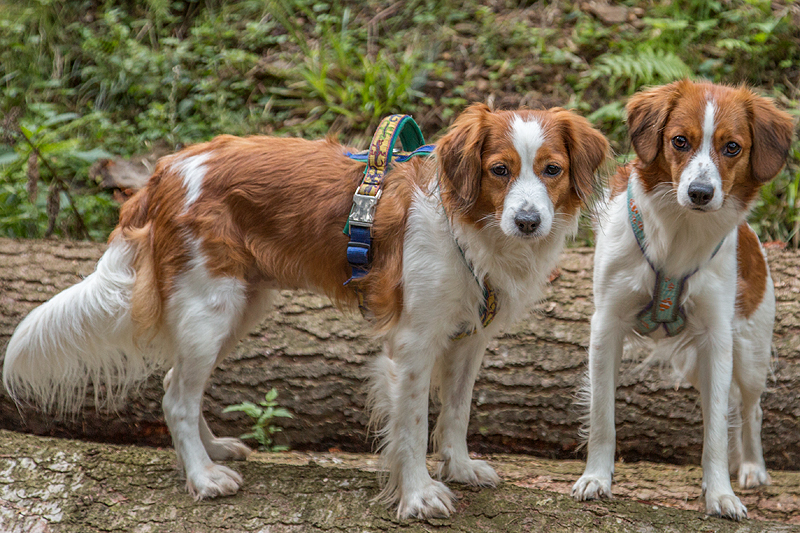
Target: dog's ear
(648, 112)
(459, 157)
(771, 129)
(588, 149)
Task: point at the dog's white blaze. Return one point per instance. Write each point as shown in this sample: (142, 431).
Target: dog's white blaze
(527, 137)
(528, 192)
(709, 125)
(702, 167)
(193, 171)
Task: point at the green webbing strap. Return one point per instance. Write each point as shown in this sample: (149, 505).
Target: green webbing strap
(664, 309)
(365, 200)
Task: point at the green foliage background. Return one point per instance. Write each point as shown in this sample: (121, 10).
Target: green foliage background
(86, 79)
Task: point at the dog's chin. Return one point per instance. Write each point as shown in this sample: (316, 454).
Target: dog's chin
(534, 237)
(701, 209)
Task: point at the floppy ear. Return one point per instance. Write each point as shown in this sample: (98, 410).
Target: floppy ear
(588, 149)
(772, 136)
(459, 157)
(648, 112)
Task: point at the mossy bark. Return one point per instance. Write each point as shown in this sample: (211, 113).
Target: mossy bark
(62, 486)
(316, 357)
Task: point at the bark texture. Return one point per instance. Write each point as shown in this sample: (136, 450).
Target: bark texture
(524, 400)
(60, 486)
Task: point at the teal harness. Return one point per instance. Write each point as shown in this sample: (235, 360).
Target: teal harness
(665, 308)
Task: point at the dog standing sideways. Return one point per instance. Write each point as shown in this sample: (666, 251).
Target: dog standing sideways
(221, 226)
(675, 259)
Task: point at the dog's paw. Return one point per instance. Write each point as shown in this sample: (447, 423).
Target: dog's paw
(469, 471)
(752, 475)
(212, 481)
(590, 487)
(725, 505)
(434, 500)
(228, 449)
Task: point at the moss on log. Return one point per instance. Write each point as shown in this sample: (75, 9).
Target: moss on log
(62, 486)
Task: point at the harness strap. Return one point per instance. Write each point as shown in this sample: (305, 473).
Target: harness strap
(379, 157)
(365, 200)
(486, 312)
(488, 307)
(665, 308)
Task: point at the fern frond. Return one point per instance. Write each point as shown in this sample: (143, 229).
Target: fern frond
(645, 67)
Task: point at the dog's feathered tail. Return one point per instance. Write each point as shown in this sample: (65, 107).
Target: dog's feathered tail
(86, 335)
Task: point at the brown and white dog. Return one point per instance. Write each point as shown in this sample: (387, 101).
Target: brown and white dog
(222, 225)
(703, 153)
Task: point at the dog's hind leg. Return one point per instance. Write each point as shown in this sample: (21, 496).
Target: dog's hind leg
(204, 315)
(751, 470)
(222, 448)
(454, 377)
(230, 448)
(752, 350)
(734, 428)
(750, 367)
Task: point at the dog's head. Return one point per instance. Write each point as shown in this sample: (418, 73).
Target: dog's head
(518, 170)
(712, 142)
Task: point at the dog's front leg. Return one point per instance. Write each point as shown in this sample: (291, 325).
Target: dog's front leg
(399, 397)
(454, 378)
(605, 354)
(714, 374)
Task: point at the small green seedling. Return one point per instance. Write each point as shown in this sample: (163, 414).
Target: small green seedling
(262, 416)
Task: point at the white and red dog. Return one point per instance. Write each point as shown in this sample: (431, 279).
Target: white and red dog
(679, 210)
(222, 225)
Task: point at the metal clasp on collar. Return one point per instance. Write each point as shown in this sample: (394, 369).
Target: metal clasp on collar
(363, 211)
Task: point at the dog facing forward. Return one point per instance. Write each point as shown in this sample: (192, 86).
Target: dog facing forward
(675, 260)
(221, 226)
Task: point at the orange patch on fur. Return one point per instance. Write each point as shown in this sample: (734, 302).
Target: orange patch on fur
(619, 181)
(751, 280)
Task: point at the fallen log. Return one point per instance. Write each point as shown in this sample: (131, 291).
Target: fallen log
(67, 486)
(315, 356)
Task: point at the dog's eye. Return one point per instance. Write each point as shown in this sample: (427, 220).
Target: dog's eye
(552, 170)
(731, 149)
(500, 170)
(680, 143)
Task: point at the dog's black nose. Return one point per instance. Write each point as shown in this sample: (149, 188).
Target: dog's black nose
(527, 221)
(700, 192)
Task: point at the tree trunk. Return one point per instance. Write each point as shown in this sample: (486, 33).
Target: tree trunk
(524, 400)
(62, 486)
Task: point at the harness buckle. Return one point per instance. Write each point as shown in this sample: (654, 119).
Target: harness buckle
(363, 212)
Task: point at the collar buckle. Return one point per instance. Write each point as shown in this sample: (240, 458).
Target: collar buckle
(363, 212)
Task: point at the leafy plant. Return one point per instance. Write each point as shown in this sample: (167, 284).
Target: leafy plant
(135, 77)
(642, 67)
(262, 416)
(776, 216)
(45, 155)
(338, 74)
